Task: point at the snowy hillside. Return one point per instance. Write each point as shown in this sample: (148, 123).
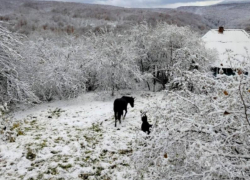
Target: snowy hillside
(28, 17)
(231, 15)
(32, 16)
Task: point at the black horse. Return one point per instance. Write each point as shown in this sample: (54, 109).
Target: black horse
(120, 105)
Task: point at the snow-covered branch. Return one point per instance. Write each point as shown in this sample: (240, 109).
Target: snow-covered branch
(211, 143)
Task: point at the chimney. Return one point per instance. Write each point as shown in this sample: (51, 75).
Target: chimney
(221, 29)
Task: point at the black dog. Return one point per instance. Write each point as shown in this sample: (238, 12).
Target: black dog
(145, 125)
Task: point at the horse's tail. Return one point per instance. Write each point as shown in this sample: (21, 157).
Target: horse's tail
(116, 114)
(116, 105)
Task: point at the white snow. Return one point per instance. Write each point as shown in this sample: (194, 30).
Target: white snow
(78, 141)
(231, 46)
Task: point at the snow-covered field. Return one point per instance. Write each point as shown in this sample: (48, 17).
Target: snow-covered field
(73, 139)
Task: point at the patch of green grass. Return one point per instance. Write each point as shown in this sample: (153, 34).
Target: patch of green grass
(28, 128)
(86, 159)
(12, 139)
(40, 176)
(125, 164)
(35, 164)
(14, 126)
(54, 152)
(32, 123)
(57, 140)
(43, 144)
(52, 171)
(65, 159)
(77, 136)
(125, 151)
(88, 152)
(56, 113)
(30, 155)
(65, 166)
(85, 176)
(90, 160)
(20, 132)
(103, 153)
(37, 136)
(96, 127)
(99, 171)
(57, 158)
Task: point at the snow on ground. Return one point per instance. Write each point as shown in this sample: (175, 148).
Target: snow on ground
(74, 139)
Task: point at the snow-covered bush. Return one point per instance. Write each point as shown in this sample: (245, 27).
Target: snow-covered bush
(64, 65)
(202, 135)
(113, 60)
(169, 50)
(55, 66)
(13, 88)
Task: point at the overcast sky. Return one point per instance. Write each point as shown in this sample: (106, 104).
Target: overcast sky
(153, 3)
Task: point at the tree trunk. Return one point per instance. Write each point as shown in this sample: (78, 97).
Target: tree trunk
(155, 75)
(148, 85)
(113, 91)
(142, 68)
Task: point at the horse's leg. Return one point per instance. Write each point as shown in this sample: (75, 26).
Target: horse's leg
(125, 113)
(119, 116)
(115, 118)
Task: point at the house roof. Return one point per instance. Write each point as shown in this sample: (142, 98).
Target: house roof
(231, 45)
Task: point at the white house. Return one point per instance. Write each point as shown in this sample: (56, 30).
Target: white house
(232, 46)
